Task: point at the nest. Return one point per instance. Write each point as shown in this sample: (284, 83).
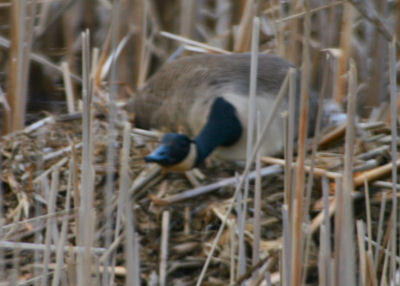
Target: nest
(48, 154)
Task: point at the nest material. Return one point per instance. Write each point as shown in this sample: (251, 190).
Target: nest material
(29, 157)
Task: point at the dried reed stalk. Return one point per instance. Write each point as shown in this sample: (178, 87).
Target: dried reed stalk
(377, 86)
(193, 43)
(68, 88)
(290, 141)
(137, 19)
(222, 28)
(16, 93)
(361, 251)
(372, 275)
(287, 247)
(188, 17)
(368, 211)
(337, 206)
(51, 208)
(241, 263)
(298, 215)
(317, 129)
(295, 32)
(375, 173)
(145, 53)
(232, 227)
(380, 229)
(393, 113)
(384, 269)
(242, 40)
(345, 45)
(257, 204)
(131, 240)
(164, 249)
(372, 16)
(267, 171)
(345, 274)
(250, 136)
(86, 216)
(112, 135)
(312, 11)
(333, 135)
(63, 234)
(322, 255)
(327, 238)
(278, 27)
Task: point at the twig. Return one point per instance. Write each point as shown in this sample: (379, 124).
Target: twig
(60, 152)
(42, 247)
(51, 169)
(334, 135)
(252, 270)
(385, 185)
(312, 11)
(316, 171)
(374, 152)
(372, 16)
(194, 43)
(267, 171)
(375, 174)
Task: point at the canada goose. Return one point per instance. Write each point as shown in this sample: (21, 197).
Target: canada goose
(207, 96)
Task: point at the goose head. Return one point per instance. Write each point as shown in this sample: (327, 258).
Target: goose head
(176, 152)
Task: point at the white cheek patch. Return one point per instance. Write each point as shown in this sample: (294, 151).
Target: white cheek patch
(187, 163)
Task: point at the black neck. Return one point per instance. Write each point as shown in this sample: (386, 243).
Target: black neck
(206, 142)
(223, 128)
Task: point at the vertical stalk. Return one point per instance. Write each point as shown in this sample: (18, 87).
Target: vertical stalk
(111, 152)
(297, 235)
(393, 113)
